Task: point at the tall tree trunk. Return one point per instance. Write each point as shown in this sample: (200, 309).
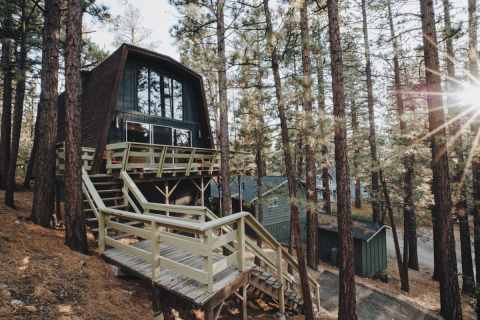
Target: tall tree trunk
(451, 307)
(75, 233)
(310, 166)
(18, 110)
(346, 292)
(410, 224)
(8, 48)
(223, 103)
(460, 203)
(376, 212)
(356, 154)
(473, 68)
(259, 144)
(33, 152)
(292, 179)
(44, 191)
(402, 265)
(323, 134)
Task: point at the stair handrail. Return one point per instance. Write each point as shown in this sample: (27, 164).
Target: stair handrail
(147, 205)
(260, 230)
(97, 204)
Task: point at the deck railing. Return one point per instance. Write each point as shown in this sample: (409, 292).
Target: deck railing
(205, 239)
(169, 160)
(221, 242)
(275, 263)
(87, 157)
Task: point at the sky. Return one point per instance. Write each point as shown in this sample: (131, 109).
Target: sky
(158, 16)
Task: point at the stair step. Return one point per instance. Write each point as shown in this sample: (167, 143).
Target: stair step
(100, 175)
(112, 198)
(109, 191)
(265, 275)
(91, 219)
(117, 206)
(105, 183)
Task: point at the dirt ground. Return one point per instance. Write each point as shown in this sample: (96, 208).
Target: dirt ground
(40, 278)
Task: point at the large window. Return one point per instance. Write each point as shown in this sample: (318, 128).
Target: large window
(138, 132)
(159, 95)
(155, 134)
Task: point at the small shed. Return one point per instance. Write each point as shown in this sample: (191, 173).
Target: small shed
(370, 245)
(276, 206)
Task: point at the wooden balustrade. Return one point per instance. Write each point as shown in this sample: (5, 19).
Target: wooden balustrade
(170, 160)
(87, 157)
(196, 238)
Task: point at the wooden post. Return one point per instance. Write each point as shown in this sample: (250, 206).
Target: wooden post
(101, 231)
(155, 252)
(109, 161)
(202, 191)
(244, 309)
(209, 259)
(241, 244)
(281, 291)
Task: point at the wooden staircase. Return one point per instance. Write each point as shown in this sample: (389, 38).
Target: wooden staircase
(109, 189)
(116, 208)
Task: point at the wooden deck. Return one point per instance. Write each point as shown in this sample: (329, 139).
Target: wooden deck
(192, 258)
(196, 292)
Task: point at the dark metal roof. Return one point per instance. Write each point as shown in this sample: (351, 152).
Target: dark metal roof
(249, 186)
(360, 230)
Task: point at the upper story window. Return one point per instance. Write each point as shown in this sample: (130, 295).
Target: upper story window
(159, 95)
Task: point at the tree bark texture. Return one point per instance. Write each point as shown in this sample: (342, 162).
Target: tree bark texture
(410, 224)
(346, 293)
(460, 201)
(323, 134)
(402, 265)
(75, 233)
(451, 307)
(223, 103)
(292, 180)
(43, 196)
(8, 49)
(372, 139)
(356, 154)
(308, 129)
(21, 66)
(473, 68)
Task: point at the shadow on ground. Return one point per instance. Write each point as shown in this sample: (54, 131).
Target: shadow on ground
(371, 304)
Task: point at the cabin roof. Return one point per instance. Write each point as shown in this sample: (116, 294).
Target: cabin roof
(100, 92)
(249, 186)
(360, 230)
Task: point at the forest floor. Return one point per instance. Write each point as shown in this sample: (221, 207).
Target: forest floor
(40, 278)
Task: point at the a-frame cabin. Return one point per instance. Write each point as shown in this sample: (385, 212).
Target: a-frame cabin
(148, 160)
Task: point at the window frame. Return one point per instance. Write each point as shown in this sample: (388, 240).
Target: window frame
(163, 96)
(151, 134)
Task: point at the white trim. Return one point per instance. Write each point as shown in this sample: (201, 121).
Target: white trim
(150, 128)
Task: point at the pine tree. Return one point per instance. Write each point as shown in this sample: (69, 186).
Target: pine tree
(43, 196)
(346, 293)
(451, 307)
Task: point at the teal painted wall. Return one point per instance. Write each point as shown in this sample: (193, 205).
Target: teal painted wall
(369, 257)
(276, 213)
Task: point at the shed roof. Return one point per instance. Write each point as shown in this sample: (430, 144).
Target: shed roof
(249, 186)
(360, 230)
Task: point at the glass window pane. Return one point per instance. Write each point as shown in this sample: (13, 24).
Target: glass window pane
(182, 138)
(142, 90)
(138, 132)
(177, 100)
(167, 96)
(155, 94)
(162, 135)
